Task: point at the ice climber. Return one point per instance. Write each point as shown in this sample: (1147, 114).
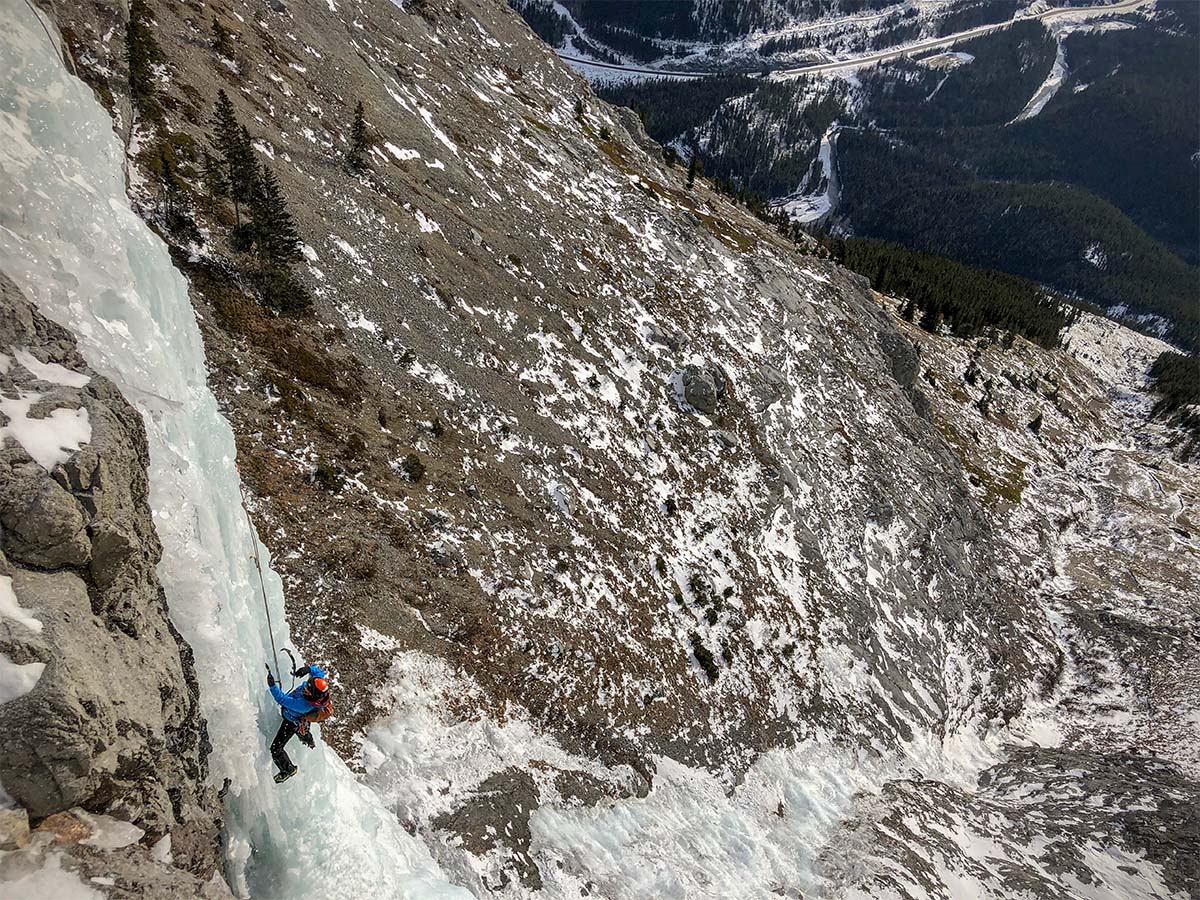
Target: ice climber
(303, 705)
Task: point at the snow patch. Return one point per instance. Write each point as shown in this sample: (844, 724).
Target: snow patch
(50, 439)
(51, 372)
(18, 679)
(401, 153)
(11, 609)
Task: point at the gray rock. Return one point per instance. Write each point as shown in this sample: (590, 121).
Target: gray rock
(113, 723)
(674, 341)
(726, 440)
(704, 387)
(14, 829)
(905, 362)
(42, 524)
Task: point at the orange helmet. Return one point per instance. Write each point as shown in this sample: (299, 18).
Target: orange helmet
(320, 684)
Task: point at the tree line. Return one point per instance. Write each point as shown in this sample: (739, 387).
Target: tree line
(938, 292)
(1175, 377)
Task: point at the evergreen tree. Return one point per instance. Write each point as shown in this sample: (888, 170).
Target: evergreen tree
(276, 240)
(215, 179)
(359, 143)
(225, 125)
(227, 140)
(694, 168)
(222, 40)
(244, 179)
(170, 185)
(142, 54)
(244, 171)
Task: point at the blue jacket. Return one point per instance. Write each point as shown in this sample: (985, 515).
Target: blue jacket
(293, 703)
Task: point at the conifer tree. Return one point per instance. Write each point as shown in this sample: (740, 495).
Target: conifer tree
(276, 240)
(693, 168)
(356, 157)
(215, 179)
(222, 40)
(225, 125)
(168, 182)
(227, 139)
(142, 54)
(245, 174)
(245, 179)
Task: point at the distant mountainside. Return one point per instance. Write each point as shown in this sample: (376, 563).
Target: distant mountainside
(655, 30)
(1064, 152)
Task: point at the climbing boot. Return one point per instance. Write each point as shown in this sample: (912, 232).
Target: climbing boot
(281, 777)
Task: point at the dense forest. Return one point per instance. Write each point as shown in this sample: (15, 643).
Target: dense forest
(940, 292)
(1055, 233)
(981, 12)
(1138, 123)
(671, 109)
(760, 136)
(686, 20)
(669, 19)
(1007, 67)
(544, 19)
(1176, 379)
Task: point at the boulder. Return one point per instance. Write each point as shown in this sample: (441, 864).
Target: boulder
(497, 815)
(14, 829)
(704, 387)
(42, 524)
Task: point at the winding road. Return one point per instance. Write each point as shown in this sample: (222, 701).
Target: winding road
(871, 59)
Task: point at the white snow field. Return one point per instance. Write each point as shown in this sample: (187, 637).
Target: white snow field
(70, 240)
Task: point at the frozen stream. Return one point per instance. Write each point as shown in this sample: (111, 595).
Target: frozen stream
(70, 240)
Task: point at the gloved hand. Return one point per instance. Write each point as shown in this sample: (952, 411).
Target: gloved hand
(270, 678)
(307, 740)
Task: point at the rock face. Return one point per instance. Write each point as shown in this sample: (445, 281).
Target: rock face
(107, 719)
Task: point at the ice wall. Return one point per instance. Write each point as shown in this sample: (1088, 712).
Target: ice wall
(69, 238)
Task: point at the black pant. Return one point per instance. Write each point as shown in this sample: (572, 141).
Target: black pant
(282, 736)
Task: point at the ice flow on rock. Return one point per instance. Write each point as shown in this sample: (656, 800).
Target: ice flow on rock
(70, 240)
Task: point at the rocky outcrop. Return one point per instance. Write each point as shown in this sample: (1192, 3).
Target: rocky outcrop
(497, 815)
(704, 387)
(99, 694)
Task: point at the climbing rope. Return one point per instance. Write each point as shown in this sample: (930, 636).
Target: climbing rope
(261, 581)
(63, 50)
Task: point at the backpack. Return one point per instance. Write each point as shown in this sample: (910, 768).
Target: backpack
(323, 711)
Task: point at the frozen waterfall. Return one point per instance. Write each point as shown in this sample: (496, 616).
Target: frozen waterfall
(69, 238)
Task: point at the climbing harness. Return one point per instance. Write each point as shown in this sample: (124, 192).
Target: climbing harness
(261, 581)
